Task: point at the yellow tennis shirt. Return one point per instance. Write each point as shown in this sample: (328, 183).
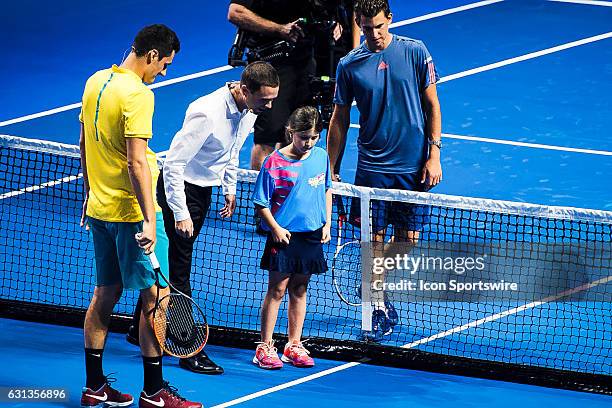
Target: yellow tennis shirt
(116, 105)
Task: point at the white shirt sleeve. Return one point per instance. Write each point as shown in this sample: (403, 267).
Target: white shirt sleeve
(230, 175)
(186, 144)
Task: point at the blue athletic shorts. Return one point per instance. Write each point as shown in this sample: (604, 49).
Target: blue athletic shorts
(119, 259)
(410, 217)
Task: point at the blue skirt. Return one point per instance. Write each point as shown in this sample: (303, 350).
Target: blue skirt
(303, 255)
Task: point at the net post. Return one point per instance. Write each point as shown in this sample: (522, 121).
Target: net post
(366, 274)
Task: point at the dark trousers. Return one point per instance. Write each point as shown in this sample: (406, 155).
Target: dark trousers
(180, 251)
(294, 92)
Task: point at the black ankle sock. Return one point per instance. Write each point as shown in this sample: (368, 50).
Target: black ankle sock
(153, 377)
(93, 369)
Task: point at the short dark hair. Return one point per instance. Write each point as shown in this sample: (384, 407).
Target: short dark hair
(156, 37)
(258, 74)
(371, 8)
(305, 118)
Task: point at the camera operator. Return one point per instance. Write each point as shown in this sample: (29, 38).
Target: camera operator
(266, 22)
(346, 35)
(327, 53)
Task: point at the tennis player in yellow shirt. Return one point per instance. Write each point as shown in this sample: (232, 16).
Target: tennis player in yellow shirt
(120, 173)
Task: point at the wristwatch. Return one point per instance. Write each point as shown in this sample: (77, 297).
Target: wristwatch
(437, 143)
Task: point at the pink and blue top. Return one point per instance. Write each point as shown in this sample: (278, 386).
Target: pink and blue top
(294, 190)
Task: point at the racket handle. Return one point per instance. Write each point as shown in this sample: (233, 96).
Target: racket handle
(154, 260)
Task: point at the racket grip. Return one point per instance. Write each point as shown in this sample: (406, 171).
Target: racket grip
(154, 260)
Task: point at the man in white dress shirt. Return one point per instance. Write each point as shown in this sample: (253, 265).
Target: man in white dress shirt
(203, 154)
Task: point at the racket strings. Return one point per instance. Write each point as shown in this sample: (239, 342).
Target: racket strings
(180, 326)
(346, 269)
(179, 315)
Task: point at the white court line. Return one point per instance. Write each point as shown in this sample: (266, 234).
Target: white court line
(442, 80)
(227, 67)
(509, 312)
(588, 2)
(191, 76)
(78, 105)
(520, 58)
(41, 114)
(40, 186)
(286, 385)
(526, 57)
(525, 144)
(515, 143)
(443, 13)
(53, 183)
(425, 340)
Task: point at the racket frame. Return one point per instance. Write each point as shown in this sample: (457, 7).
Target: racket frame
(342, 220)
(175, 292)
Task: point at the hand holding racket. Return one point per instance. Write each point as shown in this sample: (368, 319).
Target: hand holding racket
(147, 238)
(178, 321)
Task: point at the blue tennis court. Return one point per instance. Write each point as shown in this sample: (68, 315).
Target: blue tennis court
(524, 91)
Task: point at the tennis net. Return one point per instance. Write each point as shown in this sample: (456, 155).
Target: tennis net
(557, 333)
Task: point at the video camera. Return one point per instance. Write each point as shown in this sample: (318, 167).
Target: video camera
(242, 53)
(321, 88)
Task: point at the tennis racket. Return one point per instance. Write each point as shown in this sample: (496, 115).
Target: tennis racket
(178, 321)
(346, 265)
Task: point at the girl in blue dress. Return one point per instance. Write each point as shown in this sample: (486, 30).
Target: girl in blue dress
(294, 200)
